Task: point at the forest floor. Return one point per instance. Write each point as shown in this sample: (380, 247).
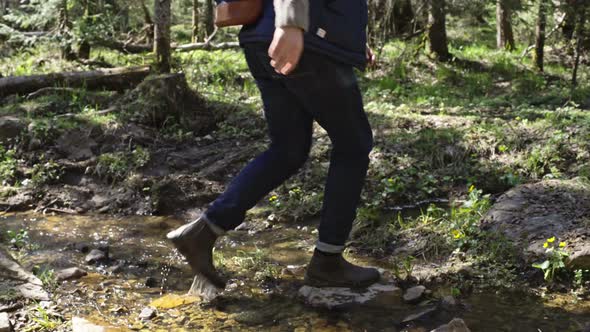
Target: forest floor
(449, 140)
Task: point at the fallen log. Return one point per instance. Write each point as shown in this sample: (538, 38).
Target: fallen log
(117, 79)
(142, 48)
(124, 47)
(207, 46)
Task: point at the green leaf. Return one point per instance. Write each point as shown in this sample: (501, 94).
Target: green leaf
(542, 266)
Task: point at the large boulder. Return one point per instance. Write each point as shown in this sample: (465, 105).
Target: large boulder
(17, 283)
(10, 128)
(531, 213)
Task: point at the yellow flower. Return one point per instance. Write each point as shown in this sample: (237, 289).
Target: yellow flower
(456, 234)
(472, 188)
(562, 244)
(551, 240)
(546, 245)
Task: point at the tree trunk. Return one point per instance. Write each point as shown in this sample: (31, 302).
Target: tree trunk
(403, 17)
(580, 36)
(195, 21)
(209, 17)
(64, 31)
(162, 35)
(148, 22)
(437, 30)
(505, 36)
(84, 50)
(540, 35)
(112, 79)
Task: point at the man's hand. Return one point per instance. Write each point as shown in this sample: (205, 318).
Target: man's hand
(371, 58)
(286, 49)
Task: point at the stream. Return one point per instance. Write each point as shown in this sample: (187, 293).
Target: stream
(265, 267)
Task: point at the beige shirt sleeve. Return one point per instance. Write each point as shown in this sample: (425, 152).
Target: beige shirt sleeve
(292, 13)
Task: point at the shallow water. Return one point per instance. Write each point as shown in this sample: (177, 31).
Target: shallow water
(262, 293)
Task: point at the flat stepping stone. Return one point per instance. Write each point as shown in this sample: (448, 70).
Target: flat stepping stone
(333, 297)
(414, 294)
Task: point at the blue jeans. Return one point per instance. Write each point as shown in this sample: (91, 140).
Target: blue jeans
(319, 89)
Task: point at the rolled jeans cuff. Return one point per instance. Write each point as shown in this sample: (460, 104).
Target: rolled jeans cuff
(329, 248)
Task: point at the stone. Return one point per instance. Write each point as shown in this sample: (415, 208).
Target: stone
(422, 315)
(203, 288)
(456, 325)
(530, 214)
(448, 302)
(82, 325)
(5, 325)
(69, 274)
(96, 256)
(147, 313)
(18, 282)
(10, 128)
(151, 282)
(414, 294)
(580, 259)
(334, 297)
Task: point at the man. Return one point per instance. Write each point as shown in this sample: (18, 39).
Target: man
(302, 59)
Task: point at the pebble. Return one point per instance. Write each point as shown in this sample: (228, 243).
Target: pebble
(147, 313)
(96, 256)
(448, 302)
(151, 282)
(456, 325)
(414, 294)
(5, 325)
(71, 273)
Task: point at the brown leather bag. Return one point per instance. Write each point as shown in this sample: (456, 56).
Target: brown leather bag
(238, 12)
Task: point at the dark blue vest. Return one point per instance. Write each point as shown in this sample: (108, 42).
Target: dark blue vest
(338, 29)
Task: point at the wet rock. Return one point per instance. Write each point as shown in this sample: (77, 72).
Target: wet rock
(96, 256)
(449, 302)
(147, 313)
(151, 282)
(69, 274)
(82, 247)
(16, 282)
(333, 297)
(414, 294)
(83, 325)
(529, 214)
(422, 315)
(10, 127)
(456, 325)
(203, 288)
(5, 325)
(117, 268)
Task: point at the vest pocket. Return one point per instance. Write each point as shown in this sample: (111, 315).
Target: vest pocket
(340, 22)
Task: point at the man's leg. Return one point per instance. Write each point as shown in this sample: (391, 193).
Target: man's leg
(290, 131)
(332, 95)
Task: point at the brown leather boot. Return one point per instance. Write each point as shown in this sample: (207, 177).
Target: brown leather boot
(332, 270)
(195, 241)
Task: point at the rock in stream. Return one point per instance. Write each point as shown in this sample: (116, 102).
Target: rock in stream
(334, 297)
(530, 214)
